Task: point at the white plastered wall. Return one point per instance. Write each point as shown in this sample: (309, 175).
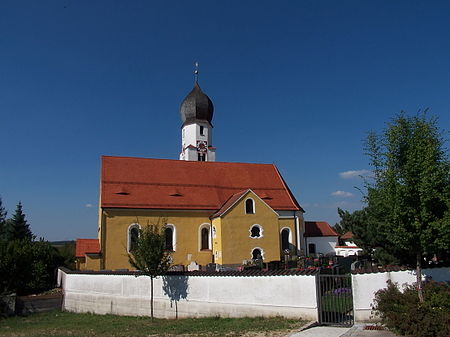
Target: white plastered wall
(366, 285)
(324, 244)
(288, 296)
(200, 296)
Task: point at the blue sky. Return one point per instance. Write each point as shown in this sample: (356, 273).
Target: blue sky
(295, 83)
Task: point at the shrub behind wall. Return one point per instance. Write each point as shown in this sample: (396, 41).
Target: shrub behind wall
(403, 313)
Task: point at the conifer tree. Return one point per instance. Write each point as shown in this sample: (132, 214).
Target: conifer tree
(3, 229)
(19, 229)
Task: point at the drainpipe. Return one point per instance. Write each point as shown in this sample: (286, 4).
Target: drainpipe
(297, 228)
(212, 241)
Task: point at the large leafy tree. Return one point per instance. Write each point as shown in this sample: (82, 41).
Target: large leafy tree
(149, 254)
(408, 200)
(18, 228)
(365, 225)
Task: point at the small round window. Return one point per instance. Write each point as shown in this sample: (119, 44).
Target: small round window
(256, 231)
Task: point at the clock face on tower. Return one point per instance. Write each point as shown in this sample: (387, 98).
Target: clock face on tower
(202, 145)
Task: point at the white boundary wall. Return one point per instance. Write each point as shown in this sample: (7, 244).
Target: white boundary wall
(366, 285)
(292, 296)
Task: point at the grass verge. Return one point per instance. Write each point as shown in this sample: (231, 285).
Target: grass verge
(57, 323)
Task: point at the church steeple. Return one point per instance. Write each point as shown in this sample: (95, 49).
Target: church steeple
(196, 107)
(196, 113)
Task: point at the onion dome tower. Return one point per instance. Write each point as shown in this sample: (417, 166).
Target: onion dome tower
(196, 132)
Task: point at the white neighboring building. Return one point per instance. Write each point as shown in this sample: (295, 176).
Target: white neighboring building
(320, 238)
(347, 247)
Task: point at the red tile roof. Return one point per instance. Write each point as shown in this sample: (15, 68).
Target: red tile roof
(86, 246)
(230, 202)
(150, 183)
(348, 235)
(318, 228)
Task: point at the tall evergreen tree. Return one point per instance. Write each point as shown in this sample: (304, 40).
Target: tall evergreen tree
(3, 229)
(18, 228)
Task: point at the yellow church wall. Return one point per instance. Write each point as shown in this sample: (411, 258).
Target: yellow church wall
(88, 262)
(114, 233)
(237, 245)
(289, 223)
(92, 262)
(80, 263)
(217, 240)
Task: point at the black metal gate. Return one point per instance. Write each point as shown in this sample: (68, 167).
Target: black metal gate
(335, 300)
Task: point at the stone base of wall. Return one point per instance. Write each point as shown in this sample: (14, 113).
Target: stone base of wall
(134, 306)
(7, 305)
(32, 304)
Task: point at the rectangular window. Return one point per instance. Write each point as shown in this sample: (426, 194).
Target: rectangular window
(202, 130)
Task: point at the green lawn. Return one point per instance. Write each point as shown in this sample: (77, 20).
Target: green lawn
(58, 323)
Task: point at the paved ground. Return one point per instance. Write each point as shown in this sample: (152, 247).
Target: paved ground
(355, 331)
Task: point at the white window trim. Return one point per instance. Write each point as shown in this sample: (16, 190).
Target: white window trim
(208, 226)
(245, 206)
(290, 234)
(261, 231)
(174, 235)
(260, 249)
(133, 225)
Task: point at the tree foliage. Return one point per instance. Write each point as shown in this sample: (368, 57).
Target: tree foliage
(410, 193)
(17, 226)
(27, 267)
(3, 214)
(149, 254)
(408, 200)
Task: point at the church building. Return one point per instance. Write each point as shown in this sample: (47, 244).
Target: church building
(214, 212)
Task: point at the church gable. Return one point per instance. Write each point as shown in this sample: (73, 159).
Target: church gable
(246, 200)
(249, 227)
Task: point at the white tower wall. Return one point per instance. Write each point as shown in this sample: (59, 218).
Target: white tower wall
(192, 135)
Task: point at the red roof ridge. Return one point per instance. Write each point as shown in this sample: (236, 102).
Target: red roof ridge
(186, 161)
(229, 203)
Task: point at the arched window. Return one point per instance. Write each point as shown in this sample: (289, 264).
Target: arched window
(169, 238)
(133, 235)
(257, 254)
(285, 233)
(256, 231)
(205, 237)
(249, 206)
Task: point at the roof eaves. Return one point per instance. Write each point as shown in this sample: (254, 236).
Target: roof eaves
(291, 196)
(219, 213)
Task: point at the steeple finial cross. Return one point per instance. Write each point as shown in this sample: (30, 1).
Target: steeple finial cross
(196, 72)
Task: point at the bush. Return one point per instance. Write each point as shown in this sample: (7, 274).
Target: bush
(27, 267)
(403, 313)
